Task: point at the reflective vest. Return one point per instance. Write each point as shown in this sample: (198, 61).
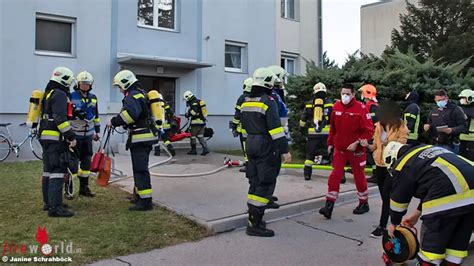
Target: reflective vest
(413, 134)
(86, 114)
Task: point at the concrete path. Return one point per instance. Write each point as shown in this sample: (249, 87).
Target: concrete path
(218, 201)
(307, 239)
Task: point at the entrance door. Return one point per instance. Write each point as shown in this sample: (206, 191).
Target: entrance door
(165, 86)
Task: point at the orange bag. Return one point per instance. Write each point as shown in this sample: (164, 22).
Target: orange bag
(104, 174)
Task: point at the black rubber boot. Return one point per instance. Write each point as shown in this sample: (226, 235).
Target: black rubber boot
(204, 151)
(84, 189)
(272, 205)
(274, 198)
(372, 179)
(343, 179)
(142, 205)
(157, 150)
(326, 211)
(60, 212)
(254, 225)
(171, 149)
(46, 207)
(361, 208)
(307, 172)
(193, 150)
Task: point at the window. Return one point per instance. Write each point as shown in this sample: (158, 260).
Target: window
(160, 14)
(235, 56)
(288, 9)
(288, 62)
(54, 35)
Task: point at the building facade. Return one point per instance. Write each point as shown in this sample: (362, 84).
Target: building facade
(377, 22)
(206, 46)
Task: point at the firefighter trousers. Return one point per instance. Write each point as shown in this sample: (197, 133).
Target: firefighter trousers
(84, 149)
(140, 154)
(312, 146)
(54, 168)
(357, 163)
(197, 131)
(263, 167)
(446, 238)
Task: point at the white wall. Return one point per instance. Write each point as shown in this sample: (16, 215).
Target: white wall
(23, 71)
(377, 22)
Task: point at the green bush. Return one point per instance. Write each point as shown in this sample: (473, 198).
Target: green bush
(394, 74)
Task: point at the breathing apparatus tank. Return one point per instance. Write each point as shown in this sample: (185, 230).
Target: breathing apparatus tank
(156, 106)
(34, 110)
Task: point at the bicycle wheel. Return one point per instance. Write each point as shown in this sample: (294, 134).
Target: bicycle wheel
(36, 147)
(5, 147)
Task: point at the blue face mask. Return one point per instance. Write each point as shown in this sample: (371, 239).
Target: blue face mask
(442, 104)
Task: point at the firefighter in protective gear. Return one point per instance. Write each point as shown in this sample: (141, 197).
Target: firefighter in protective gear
(135, 116)
(350, 129)
(278, 93)
(411, 116)
(316, 116)
(369, 96)
(236, 124)
(265, 143)
(196, 110)
(467, 139)
(444, 183)
(164, 123)
(56, 136)
(86, 126)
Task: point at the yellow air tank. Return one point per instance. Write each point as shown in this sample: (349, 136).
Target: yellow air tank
(34, 110)
(203, 108)
(156, 106)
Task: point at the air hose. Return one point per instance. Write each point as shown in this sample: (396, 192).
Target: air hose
(228, 163)
(318, 167)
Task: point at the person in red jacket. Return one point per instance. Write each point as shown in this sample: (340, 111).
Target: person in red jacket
(350, 129)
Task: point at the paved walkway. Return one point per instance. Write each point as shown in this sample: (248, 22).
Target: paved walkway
(218, 201)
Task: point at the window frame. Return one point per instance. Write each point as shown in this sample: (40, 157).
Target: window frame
(285, 10)
(293, 57)
(155, 19)
(243, 57)
(61, 19)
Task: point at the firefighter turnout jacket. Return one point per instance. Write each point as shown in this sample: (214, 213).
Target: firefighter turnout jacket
(55, 125)
(260, 117)
(135, 116)
(86, 114)
(316, 117)
(197, 111)
(443, 181)
(237, 125)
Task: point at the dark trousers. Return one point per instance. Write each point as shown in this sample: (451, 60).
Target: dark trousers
(263, 167)
(54, 168)
(140, 156)
(466, 150)
(384, 182)
(312, 146)
(84, 150)
(443, 236)
(197, 131)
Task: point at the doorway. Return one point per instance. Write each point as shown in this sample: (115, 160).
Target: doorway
(165, 86)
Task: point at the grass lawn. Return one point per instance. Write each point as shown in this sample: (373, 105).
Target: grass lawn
(102, 228)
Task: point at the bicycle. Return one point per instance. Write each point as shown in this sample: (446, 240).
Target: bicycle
(7, 145)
